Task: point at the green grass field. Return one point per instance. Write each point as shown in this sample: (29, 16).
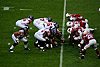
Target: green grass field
(45, 8)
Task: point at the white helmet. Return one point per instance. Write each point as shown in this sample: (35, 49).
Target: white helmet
(69, 23)
(85, 21)
(75, 26)
(68, 15)
(69, 30)
(85, 31)
(72, 18)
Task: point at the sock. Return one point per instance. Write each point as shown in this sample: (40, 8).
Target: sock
(25, 44)
(83, 52)
(97, 51)
(12, 47)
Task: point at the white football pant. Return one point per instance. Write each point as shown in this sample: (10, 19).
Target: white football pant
(39, 37)
(19, 24)
(17, 41)
(91, 42)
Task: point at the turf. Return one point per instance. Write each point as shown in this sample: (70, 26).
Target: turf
(45, 8)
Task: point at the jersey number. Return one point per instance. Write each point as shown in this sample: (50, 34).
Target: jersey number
(90, 36)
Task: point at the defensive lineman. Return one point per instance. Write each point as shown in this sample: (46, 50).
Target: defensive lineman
(89, 40)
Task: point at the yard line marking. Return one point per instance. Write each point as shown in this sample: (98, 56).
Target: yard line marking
(25, 9)
(6, 8)
(61, 29)
(61, 52)
(64, 43)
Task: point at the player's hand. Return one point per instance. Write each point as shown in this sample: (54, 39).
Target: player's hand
(62, 40)
(17, 40)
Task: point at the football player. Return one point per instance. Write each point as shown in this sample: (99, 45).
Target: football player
(72, 17)
(42, 38)
(41, 22)
(19, 36)
(89, 40)
(24, 23)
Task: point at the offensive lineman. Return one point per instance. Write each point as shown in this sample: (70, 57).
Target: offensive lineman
(24, 23)
(40, 35)
(41, 22)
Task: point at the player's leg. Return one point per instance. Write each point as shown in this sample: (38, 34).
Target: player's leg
(42, 45)
(25, 43)
(41, 41)
(91, 42)
(84, 50)
(96, 49)
(16, 41)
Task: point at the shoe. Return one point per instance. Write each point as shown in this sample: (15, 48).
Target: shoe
(82, 57)
(56, 45)
(42, 50)
(99, 57)
(80, 52)
(27, 49)
(10, 50)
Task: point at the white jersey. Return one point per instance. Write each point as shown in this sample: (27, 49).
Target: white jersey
(23, 22)
(42, 23)
(39, 34)
(39, 23)
(49, 24)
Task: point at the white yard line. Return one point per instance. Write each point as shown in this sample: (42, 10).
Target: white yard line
(61, 51)
(6, 8)
(25, 9)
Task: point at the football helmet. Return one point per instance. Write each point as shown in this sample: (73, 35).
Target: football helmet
(69, 30)
(49, 19)
(85, 31)
(69, 23)
(56, 25)
(68, 15)
(31, 17)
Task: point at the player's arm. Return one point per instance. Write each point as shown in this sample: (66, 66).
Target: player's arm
(16, 33)
(59, 34)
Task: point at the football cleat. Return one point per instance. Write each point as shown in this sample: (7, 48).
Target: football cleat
(28, 49)
(42, 50)
(82, 57)
(10, 50)
(99, 57)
